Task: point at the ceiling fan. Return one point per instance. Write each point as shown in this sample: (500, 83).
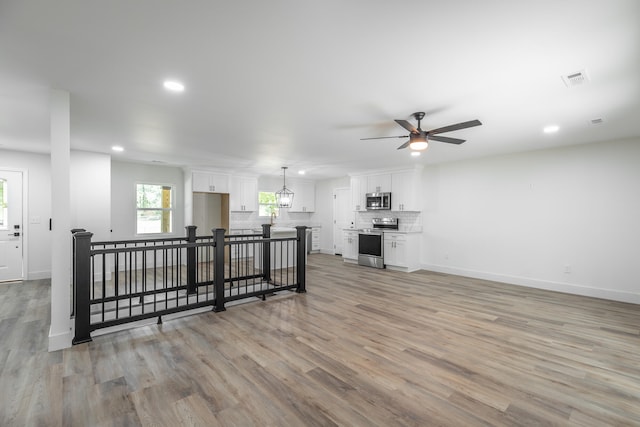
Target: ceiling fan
(419, 139)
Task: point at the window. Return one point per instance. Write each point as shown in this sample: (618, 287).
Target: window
(3, 204)
(267, 203)
(154, 209)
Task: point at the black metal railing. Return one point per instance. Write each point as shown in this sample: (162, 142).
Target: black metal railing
(118, 282)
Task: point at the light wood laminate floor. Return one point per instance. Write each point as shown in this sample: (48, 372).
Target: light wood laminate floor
(363, 347)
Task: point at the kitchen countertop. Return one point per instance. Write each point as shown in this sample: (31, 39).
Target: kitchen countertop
(401, 231)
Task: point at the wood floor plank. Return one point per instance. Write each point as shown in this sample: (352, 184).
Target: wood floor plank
(363, 347)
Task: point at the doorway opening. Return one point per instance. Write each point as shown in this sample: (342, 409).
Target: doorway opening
(11, 226)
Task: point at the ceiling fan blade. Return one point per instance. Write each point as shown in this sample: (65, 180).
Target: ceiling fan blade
(408, 126)
(457, 126)
(384, 137)
(446, 139)
(405, 145)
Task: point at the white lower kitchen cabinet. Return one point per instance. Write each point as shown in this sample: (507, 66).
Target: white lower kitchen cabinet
(315, 239)
(350, 246)
(402, 251)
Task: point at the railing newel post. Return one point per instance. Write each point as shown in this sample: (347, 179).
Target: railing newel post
(73, 269)
(218, 259)
(301, 259)
(266, 252)
(191, 260)
(82, 279)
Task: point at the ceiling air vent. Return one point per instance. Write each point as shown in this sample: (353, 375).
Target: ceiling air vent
(597, 121)
(575, 79)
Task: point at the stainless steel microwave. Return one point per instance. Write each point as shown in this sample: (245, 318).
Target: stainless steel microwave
(378, 201)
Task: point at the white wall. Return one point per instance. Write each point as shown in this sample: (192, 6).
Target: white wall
(90, 201)
(565, 219)
(91, 193)
(124, 177)
(38, 209)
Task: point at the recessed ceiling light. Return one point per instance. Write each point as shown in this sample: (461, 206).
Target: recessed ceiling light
(301, 172)
(117, 148)
(415, 153)
(551, 129)
(173, 86)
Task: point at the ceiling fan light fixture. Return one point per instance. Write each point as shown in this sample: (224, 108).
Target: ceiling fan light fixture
(418, 143)
(284, 197)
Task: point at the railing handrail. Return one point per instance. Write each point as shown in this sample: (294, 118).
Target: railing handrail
(184, 245)
(126, 242)
(148, 248)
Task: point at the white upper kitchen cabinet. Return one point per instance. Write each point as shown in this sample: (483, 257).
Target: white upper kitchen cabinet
(405, 190)
(304, 195)
(379, 183)
(210, 182)
(358, 191)
(243, 196)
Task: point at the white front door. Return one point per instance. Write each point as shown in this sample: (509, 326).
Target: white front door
(342, 217)
(10, 225)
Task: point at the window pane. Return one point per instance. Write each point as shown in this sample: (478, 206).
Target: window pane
(154, 221)
(268, 198)
(149, 196)
(264, 210)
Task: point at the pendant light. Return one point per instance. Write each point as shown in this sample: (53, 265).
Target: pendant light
(284, 196)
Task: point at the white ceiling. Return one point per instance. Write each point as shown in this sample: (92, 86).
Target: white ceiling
(298, 83)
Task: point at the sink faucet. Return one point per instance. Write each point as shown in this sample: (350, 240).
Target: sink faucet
(273, 217)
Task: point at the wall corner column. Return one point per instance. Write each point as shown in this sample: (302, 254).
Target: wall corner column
(60, 330)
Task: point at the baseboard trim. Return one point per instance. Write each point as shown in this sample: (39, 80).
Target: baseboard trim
(38, 275)
(60, 341)
(569, 288)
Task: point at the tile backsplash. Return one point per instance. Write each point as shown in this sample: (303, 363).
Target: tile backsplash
(407, 221)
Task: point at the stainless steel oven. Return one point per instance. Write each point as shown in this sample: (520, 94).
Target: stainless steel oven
(370, 248)
(371, 242)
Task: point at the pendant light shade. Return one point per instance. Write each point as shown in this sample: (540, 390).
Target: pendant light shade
(284, 197)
